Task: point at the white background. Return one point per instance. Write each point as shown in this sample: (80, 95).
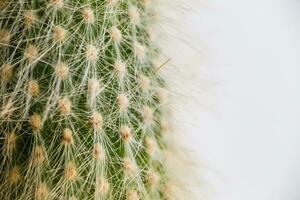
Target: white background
(250, 140)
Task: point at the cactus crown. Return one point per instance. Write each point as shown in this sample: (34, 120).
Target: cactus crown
(82, 103)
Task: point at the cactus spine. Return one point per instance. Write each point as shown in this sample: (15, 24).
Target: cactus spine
(82, 102)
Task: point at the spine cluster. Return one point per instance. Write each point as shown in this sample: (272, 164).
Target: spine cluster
(82, 105)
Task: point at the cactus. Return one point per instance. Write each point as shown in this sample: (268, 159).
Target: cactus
(83, 107)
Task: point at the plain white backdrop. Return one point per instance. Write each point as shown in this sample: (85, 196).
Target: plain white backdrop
(250, 139)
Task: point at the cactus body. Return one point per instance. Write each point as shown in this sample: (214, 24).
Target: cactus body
(82, 103)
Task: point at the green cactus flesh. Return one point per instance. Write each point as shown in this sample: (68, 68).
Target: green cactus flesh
(81, 102)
